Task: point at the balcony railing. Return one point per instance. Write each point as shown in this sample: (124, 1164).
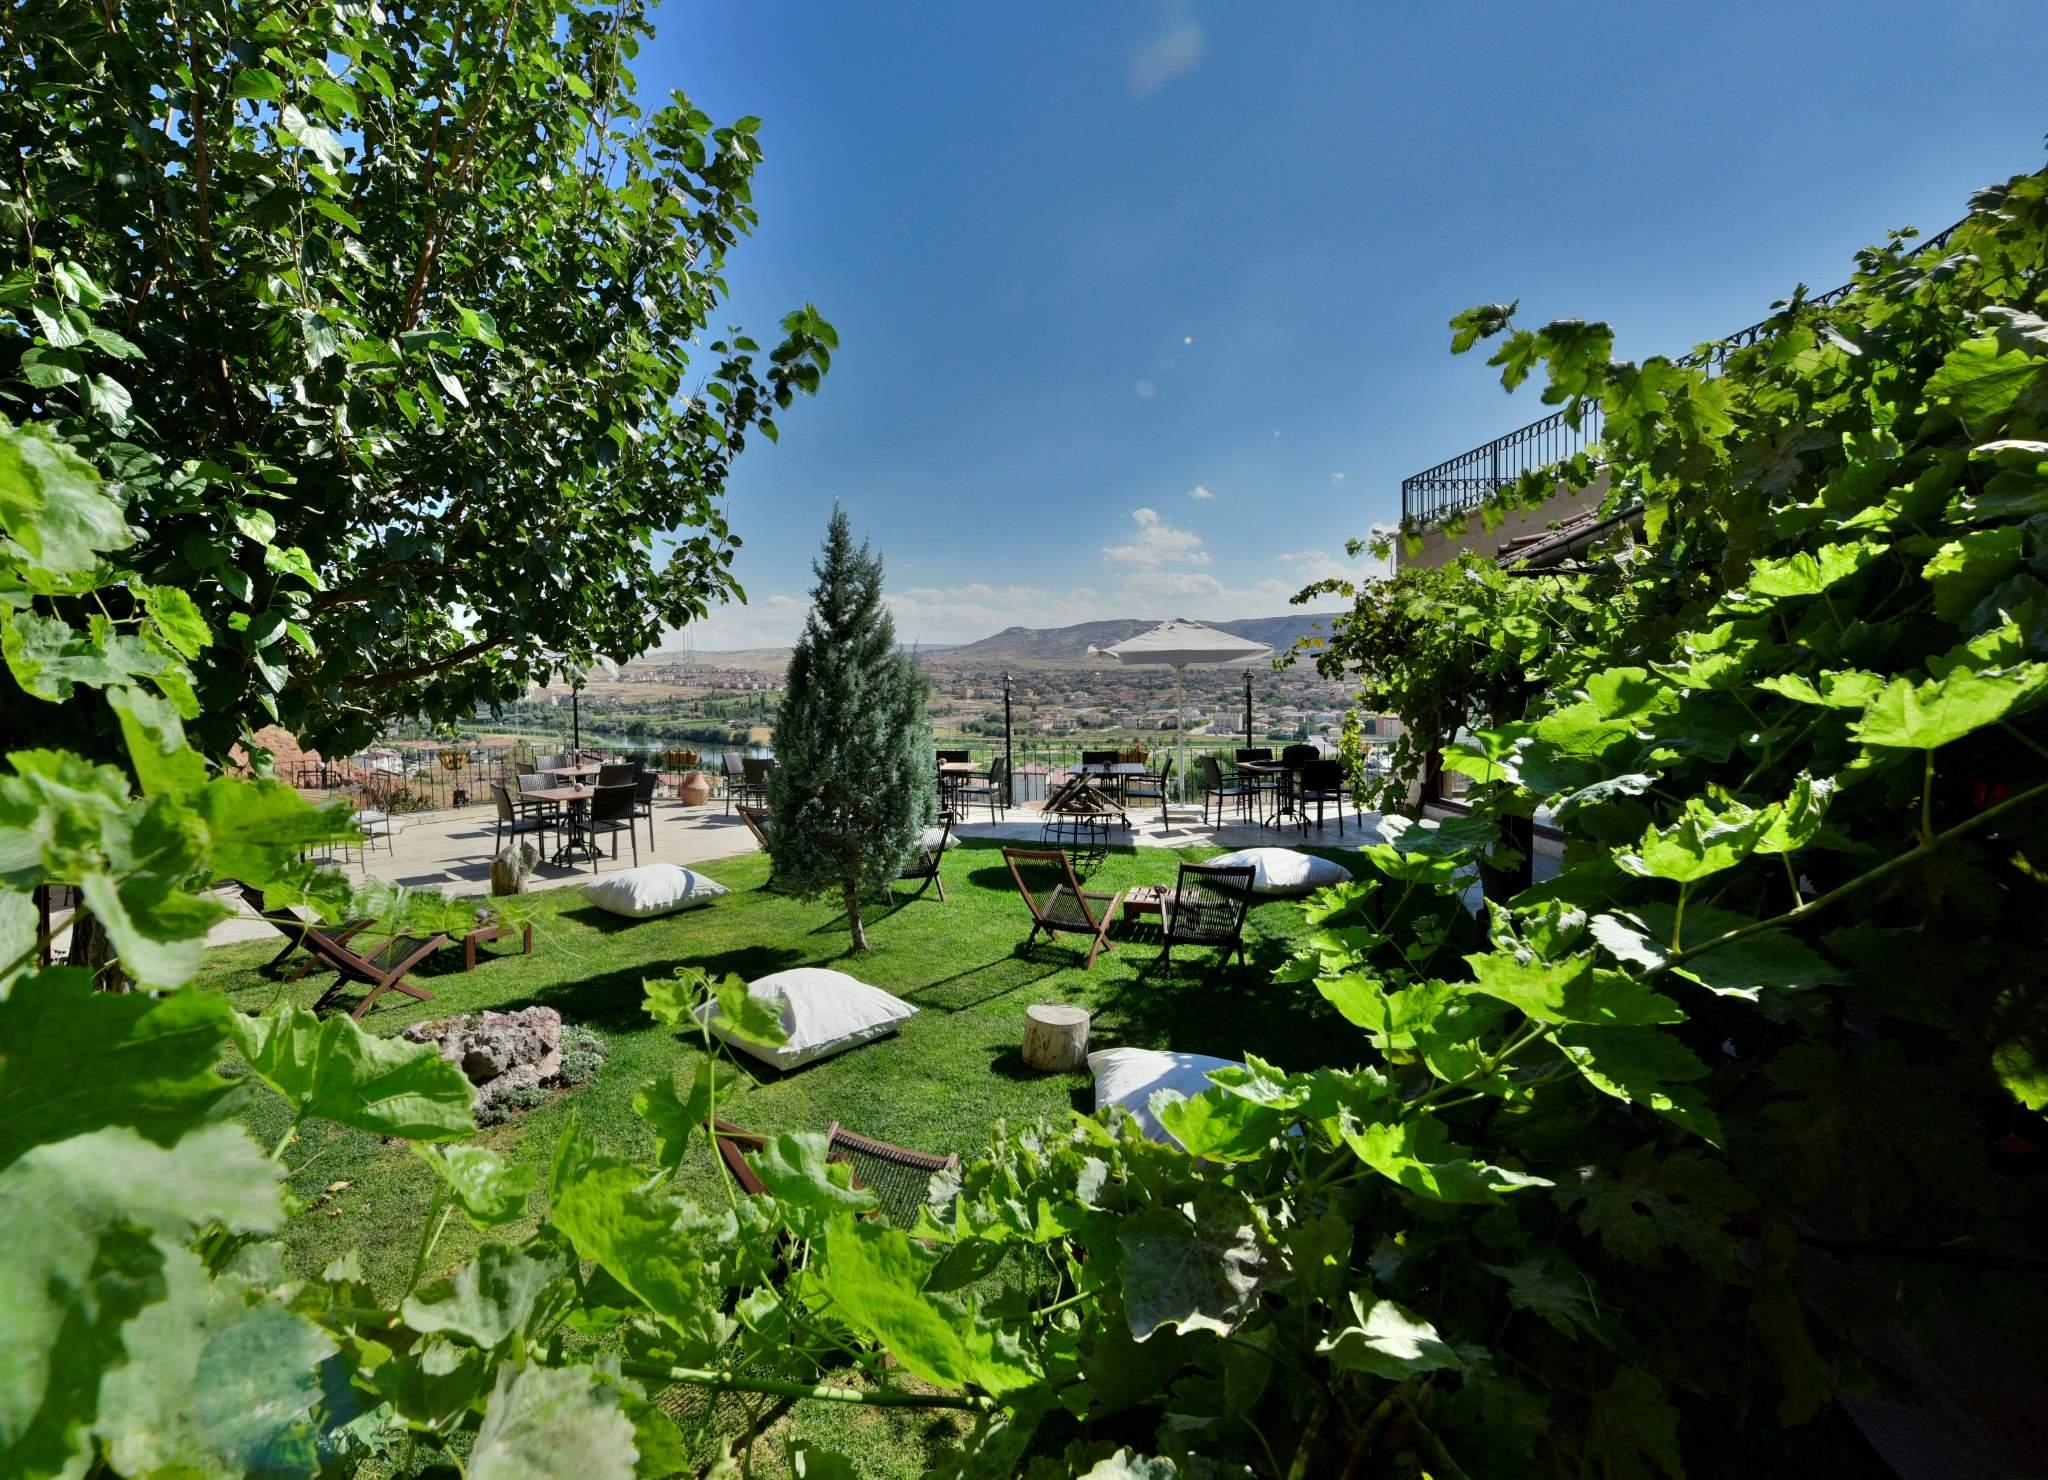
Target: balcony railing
(1469, 479)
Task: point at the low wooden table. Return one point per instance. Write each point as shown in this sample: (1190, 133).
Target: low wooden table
(497, 930)
(1146, 899)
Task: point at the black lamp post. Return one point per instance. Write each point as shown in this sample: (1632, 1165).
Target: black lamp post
(1009, 774)
(1247, 711)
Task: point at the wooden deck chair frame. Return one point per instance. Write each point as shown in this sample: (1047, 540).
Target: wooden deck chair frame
(756, 819)
(1043, 916)
(383, 970)
(926, 863)
(1235, 891)
(293, 927)
(734, 1142)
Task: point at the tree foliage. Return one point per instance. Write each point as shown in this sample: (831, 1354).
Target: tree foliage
(853, 782)
(384, 322)
(1633, 1174)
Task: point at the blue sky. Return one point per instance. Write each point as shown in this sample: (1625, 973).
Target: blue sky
(1142, 306)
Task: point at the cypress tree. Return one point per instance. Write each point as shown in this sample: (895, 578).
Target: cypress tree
(854, 776)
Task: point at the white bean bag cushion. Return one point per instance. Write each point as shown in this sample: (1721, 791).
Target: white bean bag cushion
(1131, 1076)
(652, 889)
(1284, 872)
(929, 839)
(823, 1012)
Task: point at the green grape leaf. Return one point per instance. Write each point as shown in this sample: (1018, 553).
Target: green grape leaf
(1182, 1273)
(177, 618)
(54, 813)
(333, 1070)
(1703, 842)
(1218, 1125)
(1809, 574)
(155, 737)
(490, 1191)
(1418, 1153)
(91, 1226)
(1643, 1066)
(807, 1188)
(213, 1385)
(1742, 968)
(158, 929)
(74, 1060)
(1571, 991)
(258, 828)
(875, 1276)
(1965, 570)
(1838, 689)
(545, 1422)
(1549, 1286)
(675, 1117)
(747, 1018)
(1633, 1430)
(492, 1298)
(1656, 1201)
(1386, 1340)
(1927, 716)
(52, 505)
(1981, 383)
(644, 1234)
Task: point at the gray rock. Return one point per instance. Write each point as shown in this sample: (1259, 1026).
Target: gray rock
(509, 870)
(499, 1052)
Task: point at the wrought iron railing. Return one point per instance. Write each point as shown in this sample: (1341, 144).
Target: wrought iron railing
(1469, 479)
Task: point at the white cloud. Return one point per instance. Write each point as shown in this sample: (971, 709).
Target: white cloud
(1157, 543)
(1335, 479)
(1198, 491)
(767, 621)
(1321, 565)
(1174, 52)
(1147, 390)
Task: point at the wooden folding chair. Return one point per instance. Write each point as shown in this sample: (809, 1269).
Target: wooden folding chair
(899, 1177)
(1059, 903)
(384, 971)
(293, 927)
(757, 821)
(1207, 908)
(924, 864)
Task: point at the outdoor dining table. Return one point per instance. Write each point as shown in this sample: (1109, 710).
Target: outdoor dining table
(577, 800)
(587, 768)
(1284, 792)
(1111, 771)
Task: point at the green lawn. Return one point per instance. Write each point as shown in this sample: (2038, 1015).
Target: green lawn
(940, 1085)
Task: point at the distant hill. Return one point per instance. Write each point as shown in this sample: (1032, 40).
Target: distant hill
(1071, 644)
(1029, 644)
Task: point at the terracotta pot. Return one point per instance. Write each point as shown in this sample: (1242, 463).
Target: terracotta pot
(695, 790)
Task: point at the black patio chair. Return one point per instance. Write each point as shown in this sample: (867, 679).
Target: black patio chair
(510, 821)
(1216, 788)
(729, 772)
(643, 801)
(1207, 908)
(949, 784)
(1058, 903)
(924, 864)
(611, 811)
(1150, 787)
(617, 773)
(992, 787)
(758, 821)
(1322, 784)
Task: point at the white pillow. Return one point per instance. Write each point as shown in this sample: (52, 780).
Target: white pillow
(1282, 871)
(1131, 1076)
(652, 889)
(929, 839)
(823, 1012)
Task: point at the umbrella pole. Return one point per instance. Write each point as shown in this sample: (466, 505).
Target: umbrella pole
(1180, 727)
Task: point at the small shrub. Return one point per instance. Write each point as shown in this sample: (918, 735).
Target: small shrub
(583, 1054)
(514, 1102)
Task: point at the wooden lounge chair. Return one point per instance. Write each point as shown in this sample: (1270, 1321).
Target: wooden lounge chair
(925, 862)
(899, 1177)
(294, 928)
(1207, 908)
(1059, 903)
(383, 971)
(756, 819)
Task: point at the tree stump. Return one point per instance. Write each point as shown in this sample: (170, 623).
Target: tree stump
(1055, 1036)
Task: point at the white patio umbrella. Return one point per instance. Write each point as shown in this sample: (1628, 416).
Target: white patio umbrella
(1179, 645)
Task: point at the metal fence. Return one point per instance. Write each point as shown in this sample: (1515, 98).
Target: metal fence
(427, 776)
(1471, 478)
